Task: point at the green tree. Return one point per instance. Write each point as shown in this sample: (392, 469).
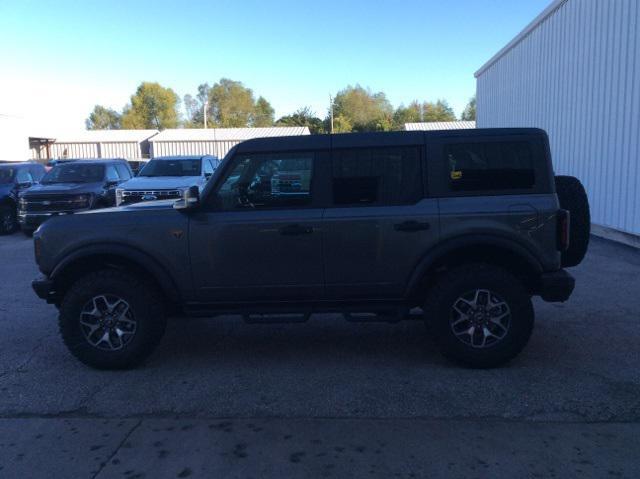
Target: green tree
(469, 113)
(102, 118)
(194, 107)
(231, 104)
(358, 109)
(152, 106)
(407, 114)
(263, 113)
(303, 117)
(438, 111)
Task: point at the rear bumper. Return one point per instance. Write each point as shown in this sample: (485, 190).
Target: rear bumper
(556, 286)
(44, 288)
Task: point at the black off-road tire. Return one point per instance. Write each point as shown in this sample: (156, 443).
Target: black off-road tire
(459, 281)
(573, 197)
(8, 219)
(147, 308)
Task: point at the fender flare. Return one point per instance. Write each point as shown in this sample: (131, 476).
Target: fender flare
(159, 273)
(450, 245)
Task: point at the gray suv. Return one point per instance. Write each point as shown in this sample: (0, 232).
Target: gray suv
(465, 225)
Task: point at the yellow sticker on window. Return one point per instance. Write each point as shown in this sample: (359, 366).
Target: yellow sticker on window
(456, 175)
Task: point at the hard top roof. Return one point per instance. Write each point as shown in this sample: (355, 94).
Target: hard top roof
(183, 157)
(92, 161)
(379, 139)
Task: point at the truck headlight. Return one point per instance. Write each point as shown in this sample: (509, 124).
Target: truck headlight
(81, 201)
(119, 196)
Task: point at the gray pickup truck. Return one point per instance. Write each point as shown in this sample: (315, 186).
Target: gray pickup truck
(465, 225)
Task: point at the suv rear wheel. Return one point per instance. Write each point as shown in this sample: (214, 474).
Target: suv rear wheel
(111, 319)
(480, 314)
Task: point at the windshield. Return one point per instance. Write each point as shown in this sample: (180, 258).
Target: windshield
(6, 175)
(74, 173)
(177, 167)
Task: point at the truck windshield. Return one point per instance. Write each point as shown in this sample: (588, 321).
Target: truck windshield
(74, 173)
(177, 167)
(6, 175)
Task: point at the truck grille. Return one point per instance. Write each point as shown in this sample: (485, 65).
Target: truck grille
(56, 203)
(135, 196)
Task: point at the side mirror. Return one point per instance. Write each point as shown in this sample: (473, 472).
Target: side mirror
(110, 183)
(189, 200)
(25, 184)
(208, 175)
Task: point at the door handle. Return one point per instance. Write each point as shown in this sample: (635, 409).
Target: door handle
(411, 226)
(293, 230)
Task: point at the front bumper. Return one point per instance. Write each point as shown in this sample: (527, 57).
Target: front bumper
(44, 288)
(556, 286)
(33, 220)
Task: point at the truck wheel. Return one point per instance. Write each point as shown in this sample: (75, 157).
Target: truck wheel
(8, 221)
(111, 319)
(573, 197)
(481, 315)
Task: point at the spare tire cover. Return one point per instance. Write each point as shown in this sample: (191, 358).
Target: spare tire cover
(573, 197)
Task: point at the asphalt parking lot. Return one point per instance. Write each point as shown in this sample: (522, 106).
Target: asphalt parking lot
(328, 398)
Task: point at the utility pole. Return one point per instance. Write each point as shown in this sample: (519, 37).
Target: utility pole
(204, 112)
(331, 111)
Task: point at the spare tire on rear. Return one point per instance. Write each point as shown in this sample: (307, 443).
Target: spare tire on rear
(573, 197)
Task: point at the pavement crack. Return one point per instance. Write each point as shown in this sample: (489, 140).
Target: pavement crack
(28, 360)
(104, 464)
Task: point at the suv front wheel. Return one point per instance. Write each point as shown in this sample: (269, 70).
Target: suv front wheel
(480, 314)
(111, 319)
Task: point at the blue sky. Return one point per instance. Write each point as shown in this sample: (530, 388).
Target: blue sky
(60, 58)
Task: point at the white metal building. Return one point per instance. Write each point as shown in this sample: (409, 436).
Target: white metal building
(440, 125)
(103, 144)
(575, 72)
(213, 141)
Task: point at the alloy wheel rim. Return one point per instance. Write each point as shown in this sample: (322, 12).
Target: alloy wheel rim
(107, 322)
(480, 318)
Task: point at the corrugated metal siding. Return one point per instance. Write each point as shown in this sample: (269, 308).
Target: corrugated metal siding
(440, 125)
(577, 75)
(120, 150)
(96, 150)
(74, 150)
(171, 148)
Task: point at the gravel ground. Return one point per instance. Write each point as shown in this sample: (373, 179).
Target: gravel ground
(568, 405)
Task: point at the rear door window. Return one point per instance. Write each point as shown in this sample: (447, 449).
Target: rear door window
(376, 176)
(490, 166)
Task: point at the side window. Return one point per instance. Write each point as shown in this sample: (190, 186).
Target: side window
(23, 176)
(208, 169)
(490, 166)
(278, 180)
(376, 176)
(37, 172)
(112, 174)
(123, 172)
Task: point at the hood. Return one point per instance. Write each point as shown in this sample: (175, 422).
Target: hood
(161, 182)
(62, 188)
(143, 206)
